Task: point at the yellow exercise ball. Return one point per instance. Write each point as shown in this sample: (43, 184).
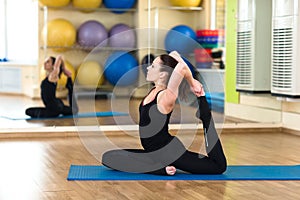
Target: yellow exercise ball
(59, 33)
(55, 3)
(185, 3)
(61, 84)
(87, 3)
(90, 74)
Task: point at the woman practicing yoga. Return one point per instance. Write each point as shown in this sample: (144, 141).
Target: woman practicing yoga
(54, 67)
(163, 153)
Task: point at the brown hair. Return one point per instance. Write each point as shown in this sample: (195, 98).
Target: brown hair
(168, 65)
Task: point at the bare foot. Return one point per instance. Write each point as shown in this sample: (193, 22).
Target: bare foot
(171, 170)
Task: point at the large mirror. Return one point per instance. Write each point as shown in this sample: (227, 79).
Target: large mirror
(104, 103)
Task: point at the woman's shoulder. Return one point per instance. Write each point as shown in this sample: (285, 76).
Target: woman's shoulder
(165, 100)
(46, 81)
(53, 77)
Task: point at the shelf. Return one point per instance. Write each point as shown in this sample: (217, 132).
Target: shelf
(89, 91)
(176, 8)
(100, 9)
(47, 10)
(105, 87)
(77, 47)
(157, 21)
(211, 70)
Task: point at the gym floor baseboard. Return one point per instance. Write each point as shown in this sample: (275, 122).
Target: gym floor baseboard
(70, 131)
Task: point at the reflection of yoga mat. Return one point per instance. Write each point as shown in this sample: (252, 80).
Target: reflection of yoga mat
(79, 115)
(216, 101)
(235, 172)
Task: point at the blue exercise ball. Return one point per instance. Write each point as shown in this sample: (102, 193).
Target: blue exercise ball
(119, 5)
(121, 69)
(122, 36)
(91, 34)
(181, 38)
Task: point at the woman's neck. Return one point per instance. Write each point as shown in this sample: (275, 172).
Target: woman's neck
(160, 86)
(48, 72)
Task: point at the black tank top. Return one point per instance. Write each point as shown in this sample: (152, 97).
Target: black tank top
(153, 126)
(48, 90)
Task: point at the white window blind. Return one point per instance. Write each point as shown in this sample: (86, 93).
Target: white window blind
(21, 31)
(2, 30)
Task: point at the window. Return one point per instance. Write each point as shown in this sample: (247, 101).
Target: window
(2, 32)
(19, 20)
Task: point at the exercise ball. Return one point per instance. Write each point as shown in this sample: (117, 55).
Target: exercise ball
(90, 74)
(122, 36)
(121, 69)
(59, 33)
(185, 3)
(87, 4)
(54, 3)
(119, 5)
(61, 84)
(181, 38)
(91, 34)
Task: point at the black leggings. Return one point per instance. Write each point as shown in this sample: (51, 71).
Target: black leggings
(58, 109)
(142, 161)
(42, 112)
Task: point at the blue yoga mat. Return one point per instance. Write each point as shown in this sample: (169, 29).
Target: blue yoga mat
(234, 172)
(79, 115)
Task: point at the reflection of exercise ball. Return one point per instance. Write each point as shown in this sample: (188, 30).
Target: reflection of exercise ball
(146, 61)
(119, 5)
(181, 38)
(90, 74)
(61, 84)
(185, 3)
(87, 3)
(60, 33)
(91, 34)
(55, 3)
(122, 36)
(121, 69)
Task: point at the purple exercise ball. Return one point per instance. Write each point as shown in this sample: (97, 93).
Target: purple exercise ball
(122, 36)
(91, 34)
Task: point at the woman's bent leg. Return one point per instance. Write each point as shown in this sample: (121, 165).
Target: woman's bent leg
(67, 110)
(71, 97)
(40, 112)
(132, 160)
(212, 142)
(198, 164)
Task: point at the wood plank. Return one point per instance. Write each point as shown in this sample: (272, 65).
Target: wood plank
(36, 168)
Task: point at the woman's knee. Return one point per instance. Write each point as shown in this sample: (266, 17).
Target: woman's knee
(108, 156)
(28, 111)
(105, 156)
(33, 112)
(222, 168)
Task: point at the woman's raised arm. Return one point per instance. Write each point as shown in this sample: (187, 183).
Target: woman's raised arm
(53, 76)
(183, 71)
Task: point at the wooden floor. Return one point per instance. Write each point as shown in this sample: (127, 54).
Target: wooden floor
(35, 168)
